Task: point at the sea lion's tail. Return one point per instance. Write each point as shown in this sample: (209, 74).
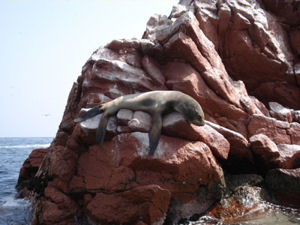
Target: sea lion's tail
(89, 114)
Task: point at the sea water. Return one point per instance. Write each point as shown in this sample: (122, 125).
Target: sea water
(13, 152)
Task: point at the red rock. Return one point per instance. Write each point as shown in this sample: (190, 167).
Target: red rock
(126, 74)
(187, 163)
(296, 116)
(287, 12)
(62, 163)
(185, 167)
(91, 123)
(263, 146)
(181, 44)
(266, 151)
(295, 40)
(276, 130)
(140, 223)
(297, 72)
(280, 112)
(146, 204)
(152, 68)
(111, 128)
(240, 157)
(124, 116)
(57, 208)
(157, 28)
(285, 185)
(253, 53)
(294, 132)
(183, 77)
(175, 125)
(23, 192)
(239, 145)
(274, 91)
(30, 167)
(207, 21)
(87, 199)
(89, 165)
(289, 156)
(77, 185)
(36, 156)
(141, 121)
(133, 59)
(275, 156)
(110, 155)
(225, 17)
(123, 129)
(182, 173)
(89, 126)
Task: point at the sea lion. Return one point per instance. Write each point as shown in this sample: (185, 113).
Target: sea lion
(156, 103)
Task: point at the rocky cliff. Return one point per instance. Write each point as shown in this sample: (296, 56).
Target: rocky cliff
(239, 59)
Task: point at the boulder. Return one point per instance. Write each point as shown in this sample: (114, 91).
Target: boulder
(280, 112)
(289, 156)
(276, 130)
(153, 70)
(270, 156)
(239, 145)
(141, 121)
(29, 169)
(285, 186)
(57, 207)
(296, 116)
(175, 125)
(124, 116)
(265, 151)
(147, 204)
(177, 166)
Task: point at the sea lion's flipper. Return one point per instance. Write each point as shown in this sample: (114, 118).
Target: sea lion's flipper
(100, 134)
(154, 133)
(89, 114)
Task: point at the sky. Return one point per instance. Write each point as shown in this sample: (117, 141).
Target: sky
(43, 46)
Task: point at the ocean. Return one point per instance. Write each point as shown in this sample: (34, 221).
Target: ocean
(13, 152)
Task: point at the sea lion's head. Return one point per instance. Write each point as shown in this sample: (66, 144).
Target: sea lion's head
(197, 116)
(192, 112)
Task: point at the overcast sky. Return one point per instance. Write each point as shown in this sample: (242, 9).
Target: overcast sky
(43, 46)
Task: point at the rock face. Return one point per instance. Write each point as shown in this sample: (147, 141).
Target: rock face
(28, 171)
(285, 184)
(218, 52)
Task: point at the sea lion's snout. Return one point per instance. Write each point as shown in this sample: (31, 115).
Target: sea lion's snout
(199, 122)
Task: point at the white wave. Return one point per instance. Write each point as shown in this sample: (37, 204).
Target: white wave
(25, 146)
(10, 202)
